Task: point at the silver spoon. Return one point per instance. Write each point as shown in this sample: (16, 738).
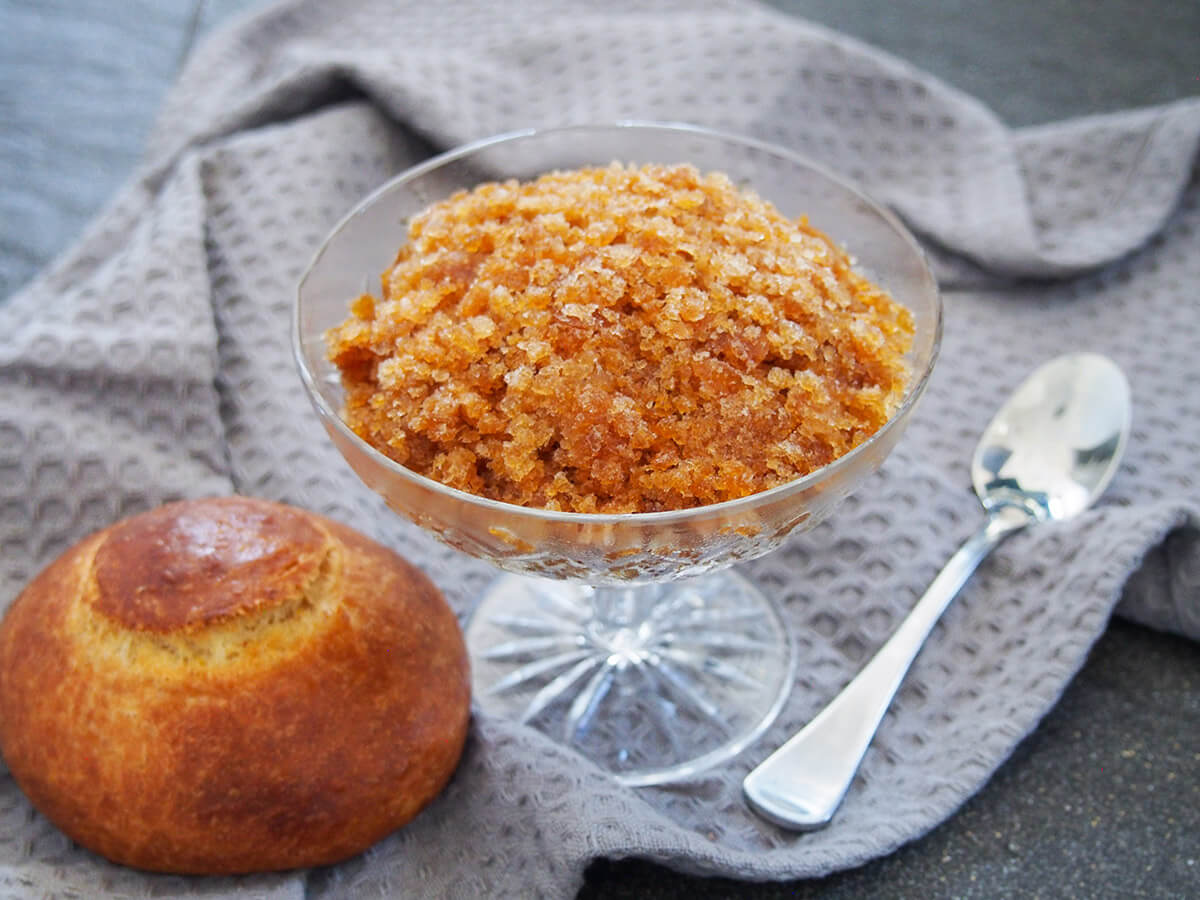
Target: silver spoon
(1046, 456)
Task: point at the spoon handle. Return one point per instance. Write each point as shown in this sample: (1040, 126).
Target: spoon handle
(801, 785)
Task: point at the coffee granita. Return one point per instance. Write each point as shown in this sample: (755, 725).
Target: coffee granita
(619, 339)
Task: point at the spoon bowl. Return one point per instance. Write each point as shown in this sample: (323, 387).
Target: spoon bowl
(1048, 454)
(1054, 446)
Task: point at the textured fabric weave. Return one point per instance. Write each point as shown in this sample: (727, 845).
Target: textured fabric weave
(152, 362)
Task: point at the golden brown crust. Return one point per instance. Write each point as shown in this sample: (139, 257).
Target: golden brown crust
(186, 564)
(225, 729)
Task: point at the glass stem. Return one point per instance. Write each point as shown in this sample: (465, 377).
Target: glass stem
(619, 607)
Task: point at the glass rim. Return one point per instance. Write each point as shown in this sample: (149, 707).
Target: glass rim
(726, 507)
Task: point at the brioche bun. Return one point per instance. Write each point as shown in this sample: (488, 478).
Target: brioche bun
(231, 685)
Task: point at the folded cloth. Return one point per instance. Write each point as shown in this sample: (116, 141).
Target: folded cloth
(152, 362)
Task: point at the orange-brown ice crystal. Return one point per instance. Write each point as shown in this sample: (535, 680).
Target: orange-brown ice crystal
(619, 339)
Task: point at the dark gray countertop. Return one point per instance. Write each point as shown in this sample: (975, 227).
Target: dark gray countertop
(1103, 800)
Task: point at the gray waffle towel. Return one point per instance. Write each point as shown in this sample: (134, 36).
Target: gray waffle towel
(152, 362)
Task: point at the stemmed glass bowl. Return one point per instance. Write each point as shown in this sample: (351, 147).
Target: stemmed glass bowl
(627, 637)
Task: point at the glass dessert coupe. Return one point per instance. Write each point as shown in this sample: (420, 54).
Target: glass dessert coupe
(627, 637)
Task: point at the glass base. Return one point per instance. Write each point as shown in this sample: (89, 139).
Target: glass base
(654, 683)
